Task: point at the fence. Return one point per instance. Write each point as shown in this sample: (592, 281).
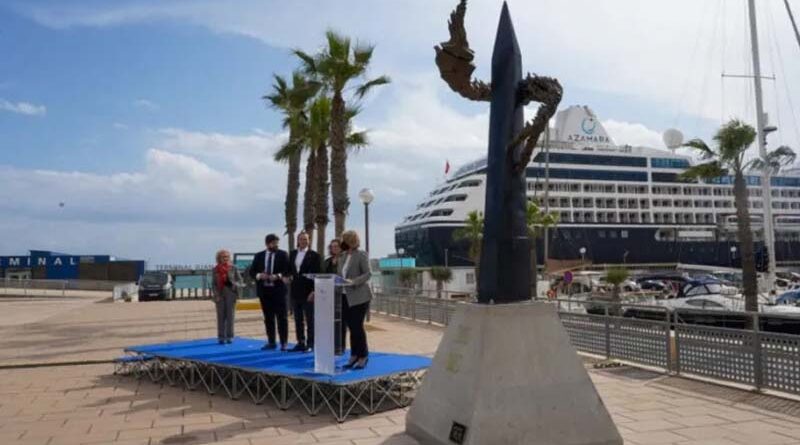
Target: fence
(9, 285)
(672, 341)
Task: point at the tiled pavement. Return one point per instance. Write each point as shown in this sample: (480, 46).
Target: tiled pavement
(87, 404)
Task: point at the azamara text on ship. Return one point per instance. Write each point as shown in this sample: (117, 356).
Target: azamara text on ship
(616, 204)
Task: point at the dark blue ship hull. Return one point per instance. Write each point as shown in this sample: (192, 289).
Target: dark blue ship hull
(604, 245)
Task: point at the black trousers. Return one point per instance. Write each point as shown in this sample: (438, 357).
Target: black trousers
(273, 306)
(303, 321)
(354, 319)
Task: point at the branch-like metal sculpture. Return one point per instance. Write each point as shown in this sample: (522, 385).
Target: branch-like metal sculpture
(454, 59)
(505, 254)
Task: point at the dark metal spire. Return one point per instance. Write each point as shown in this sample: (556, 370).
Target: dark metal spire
(505, 255)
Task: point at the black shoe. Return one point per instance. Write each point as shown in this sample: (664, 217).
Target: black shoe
(269, 346)
(284, 348)
(229, 341)
(221, 341)
(361, 363)
(300, 347)
(351, 363)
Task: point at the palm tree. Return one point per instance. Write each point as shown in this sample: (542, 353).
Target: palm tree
(441, 275)
(733, 139)
(336, 66)
(537, 221)
(316, 138)
(292, 102)
(616, 276)
(473, 233)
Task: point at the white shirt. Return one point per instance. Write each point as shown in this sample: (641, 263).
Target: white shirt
(346, 266)
(298, 260)
(268, 267)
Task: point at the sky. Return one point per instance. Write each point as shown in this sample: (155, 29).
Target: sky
(137, 128)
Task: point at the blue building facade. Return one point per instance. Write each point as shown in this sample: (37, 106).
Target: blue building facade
(43, 264)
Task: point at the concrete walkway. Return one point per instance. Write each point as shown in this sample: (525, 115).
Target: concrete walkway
(87, 404)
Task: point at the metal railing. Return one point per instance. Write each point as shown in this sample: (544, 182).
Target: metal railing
(677, 342)
(28, 286)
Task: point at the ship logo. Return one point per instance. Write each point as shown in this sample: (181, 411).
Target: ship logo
(589, 125)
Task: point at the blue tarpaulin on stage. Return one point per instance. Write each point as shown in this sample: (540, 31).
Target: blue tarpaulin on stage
(246, 354)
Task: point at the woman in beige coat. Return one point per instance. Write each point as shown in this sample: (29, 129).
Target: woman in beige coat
(356, 294)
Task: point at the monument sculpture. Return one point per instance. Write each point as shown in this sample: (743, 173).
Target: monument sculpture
(505, 256)
(506, 373)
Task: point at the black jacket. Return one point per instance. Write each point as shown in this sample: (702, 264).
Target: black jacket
(280, 265)
(302, 286)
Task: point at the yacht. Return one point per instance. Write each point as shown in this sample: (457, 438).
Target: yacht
(615, 203)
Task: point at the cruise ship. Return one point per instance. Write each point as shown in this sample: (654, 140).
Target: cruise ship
(616, 204)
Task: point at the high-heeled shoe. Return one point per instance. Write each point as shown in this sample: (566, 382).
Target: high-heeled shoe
(361, 363)
(351, 363)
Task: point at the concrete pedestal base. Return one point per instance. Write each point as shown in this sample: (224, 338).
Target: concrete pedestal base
(507, 374)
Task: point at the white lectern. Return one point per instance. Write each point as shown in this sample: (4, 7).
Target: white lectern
(324, 321)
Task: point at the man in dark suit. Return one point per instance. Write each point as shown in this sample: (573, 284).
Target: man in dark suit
(270, 269)
(303, 260)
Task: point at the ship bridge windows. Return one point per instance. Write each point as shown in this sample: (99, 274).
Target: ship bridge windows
(470, 183)
(441, 212)
(452, 198)
(598, 188)
(586, 159)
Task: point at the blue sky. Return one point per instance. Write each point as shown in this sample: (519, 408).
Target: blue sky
(145, 117)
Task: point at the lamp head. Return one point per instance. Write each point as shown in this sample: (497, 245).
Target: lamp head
(366, 196)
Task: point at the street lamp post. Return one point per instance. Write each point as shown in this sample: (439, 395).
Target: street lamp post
(366, 196)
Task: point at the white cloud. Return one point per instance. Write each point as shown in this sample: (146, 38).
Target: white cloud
(637, 135)
(146, 104)
(25, 108)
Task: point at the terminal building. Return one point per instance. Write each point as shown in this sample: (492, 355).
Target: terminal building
(46, 265)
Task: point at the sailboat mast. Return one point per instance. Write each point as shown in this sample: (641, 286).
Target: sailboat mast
(794, 24)
(769, 232)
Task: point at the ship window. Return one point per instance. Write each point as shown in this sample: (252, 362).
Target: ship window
(623, 234)
(584, 159)
(601, 233)
(470, 183)
(599, 175)
(612, 234)
(669, 163)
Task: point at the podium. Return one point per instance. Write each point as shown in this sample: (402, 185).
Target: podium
(327, 321)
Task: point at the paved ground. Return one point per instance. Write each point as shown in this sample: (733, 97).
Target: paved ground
(87, 404)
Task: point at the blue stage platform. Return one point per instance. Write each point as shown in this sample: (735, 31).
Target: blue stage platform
(287, 378)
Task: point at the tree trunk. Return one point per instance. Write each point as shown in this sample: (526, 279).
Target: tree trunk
(534, 267)
(292, 190)
(749, 278)
(439, 288)
(321, 196)
(341, 202)
(308, 195)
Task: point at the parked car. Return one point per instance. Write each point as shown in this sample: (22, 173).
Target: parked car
(155, 285)
(791, 298)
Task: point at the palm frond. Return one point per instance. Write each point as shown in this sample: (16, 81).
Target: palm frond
(362, 54)
(357, 140)
(287, 150)
(708, 170)
(776, 159)
(733, 139)
(338, 45)
(362, 90)
(705, 151)
(308, 62)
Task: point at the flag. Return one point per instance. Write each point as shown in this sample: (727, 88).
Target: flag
(447, 167)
